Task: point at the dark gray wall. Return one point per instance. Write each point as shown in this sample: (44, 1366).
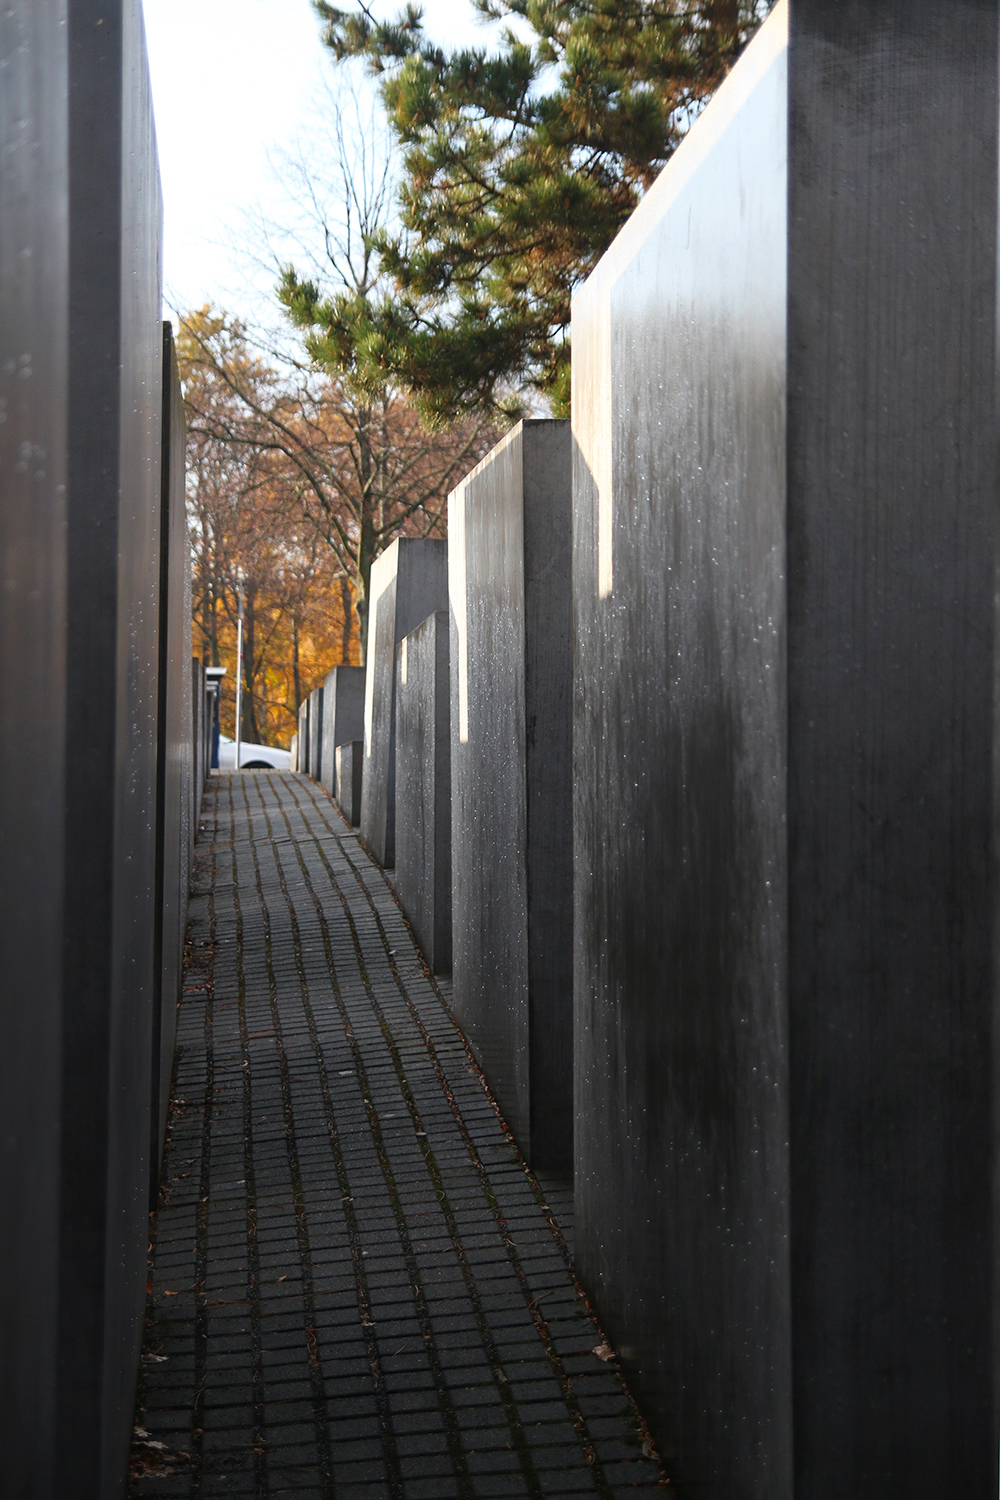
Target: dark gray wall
(409, 581)
(423, 786)
(207, 710)
(350, 776)
(113, 498)
(175, 769)
(200, 743)
(509, 531)
(303, 744)
(679, 794)
(34, 314)
(316, 733)
(784, 725)
(892, 549)
(79, 532)
(548, 715)
(213, 701)
(343, 718)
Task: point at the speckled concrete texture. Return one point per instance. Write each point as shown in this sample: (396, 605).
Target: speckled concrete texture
(409, 581)
(423, 787)
(511, 764)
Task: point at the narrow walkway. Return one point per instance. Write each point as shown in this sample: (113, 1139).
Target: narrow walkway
(357, 1289)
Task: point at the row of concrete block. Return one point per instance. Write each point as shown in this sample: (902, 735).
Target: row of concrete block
(99, 791)
(721, 724)
(467, 768)
(459, 733)
(328, 744)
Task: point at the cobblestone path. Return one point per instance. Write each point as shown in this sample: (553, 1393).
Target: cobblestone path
(357, 1289)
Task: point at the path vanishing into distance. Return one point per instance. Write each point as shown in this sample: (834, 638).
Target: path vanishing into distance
(357, 1289)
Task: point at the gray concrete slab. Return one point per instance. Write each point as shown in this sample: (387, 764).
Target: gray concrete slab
(892, 673)
(343, 718)
(783, 565)
(511, 717)
(423, 786)
(81, 355)
(113, 492)
(199, 738)
(409, 581)
(303, 737)
(95, 735)
(316, 733)
(357, 1289)
(34, 328)
(350, 761)
(679, 777)
(175, 748)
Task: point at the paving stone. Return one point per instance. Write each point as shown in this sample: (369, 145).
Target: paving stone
(345, 1287)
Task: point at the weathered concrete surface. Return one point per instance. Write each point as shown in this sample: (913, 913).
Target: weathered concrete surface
(34, 318)
(370, 1296)
(199, 729)
(80, 441)
(423, 786)
(214, 710)
(783, 729)
(679, 778)
(115, 415)
(350, 776)
(343, 718)
(511, 720)
(409, 581)
(175, 746)
(303, 737)
(316, 734)
(892, 549)
(81, 353)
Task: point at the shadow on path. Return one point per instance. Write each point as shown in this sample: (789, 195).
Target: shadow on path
(357, 1289)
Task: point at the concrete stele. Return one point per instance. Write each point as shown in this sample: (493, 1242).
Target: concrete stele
(423, 787)
(409, 581)
(511, 669)
(350, 760)
(81, 363)
(343, 718)
(316, 733)
(784, 718)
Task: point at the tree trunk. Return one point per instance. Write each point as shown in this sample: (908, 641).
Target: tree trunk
(213, 625)
(723, 17)
(296, 674)
(201, 615)
(366, 551)
(347, 604)
(367, 539)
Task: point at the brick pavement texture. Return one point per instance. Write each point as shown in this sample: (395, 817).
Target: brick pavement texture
(357, 1289)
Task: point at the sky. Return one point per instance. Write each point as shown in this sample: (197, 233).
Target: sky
(235, 84)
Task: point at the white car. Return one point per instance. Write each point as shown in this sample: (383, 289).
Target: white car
(252, 757)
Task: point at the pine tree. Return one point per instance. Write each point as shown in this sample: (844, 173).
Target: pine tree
(519, 167)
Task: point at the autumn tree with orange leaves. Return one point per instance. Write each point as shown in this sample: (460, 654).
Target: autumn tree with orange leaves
(354, 472)
(247, 533)
(358, 467)
(303, 465)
